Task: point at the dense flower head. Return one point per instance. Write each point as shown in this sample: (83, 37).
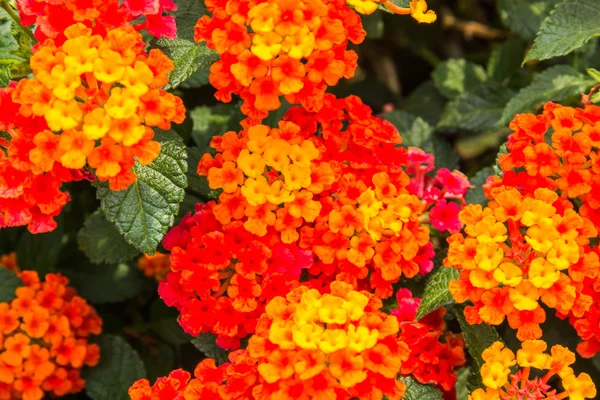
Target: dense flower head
(559, 150)
(27, 198)
(223, 276)
(99, 99)
(44, 339)
(517, 252)
(335, 182)
(502, 384)
(325, 346)
(52, 17)
(435, 353)
(156, 266)
(274, 48)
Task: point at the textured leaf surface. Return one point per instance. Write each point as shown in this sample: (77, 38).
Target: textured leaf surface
(418, 391)
(102, 284)
(205, 342)
(143, 212)
(119, 367)
(454, 77)
(475, 194)
(188, 57)
(525, 16)
(436, 293)
(9, 282)
(416, 132)
(569, 26)
(102, 243)
(477, 110)
(554, 84)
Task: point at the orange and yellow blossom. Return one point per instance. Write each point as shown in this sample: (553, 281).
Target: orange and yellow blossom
(308, 345)
(44, 339)
(290, 48)
(100, 99)
(516, 252)
(345, 195)
(501, 383)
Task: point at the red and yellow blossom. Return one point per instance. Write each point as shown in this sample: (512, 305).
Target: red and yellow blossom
(517, 252)
(308, 345)
(27, 198)
(99, 98)
(558, 150)
(44, 339)
(435, 353)
(291, 48)
(501, 383)
(53, 17)
(332, 181)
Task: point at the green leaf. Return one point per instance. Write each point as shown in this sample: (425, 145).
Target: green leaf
(477, 110)
(102, 243)
(457, 76)
(104, 284)
(163, 321)
(9, 282)
(206, 343)
(554, 84)
(569, 26)
(119, 367)
(196, 183)
(477, 339)
(475, 194)
(594, 74)
(525, 16)
(209, 122)
(419, 391)
(462, 391)
(145, 210)
(188, 57)
(187, 15)
(425, 102)
(506, 59)
(5, 75)
(416, 132)
(41, 252)
(436, 292)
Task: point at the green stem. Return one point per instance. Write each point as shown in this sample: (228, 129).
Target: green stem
(11, 12)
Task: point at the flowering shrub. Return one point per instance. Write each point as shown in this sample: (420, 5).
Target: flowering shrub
(44, 339)
(370, 197)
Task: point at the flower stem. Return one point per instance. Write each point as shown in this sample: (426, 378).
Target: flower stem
(11, 12)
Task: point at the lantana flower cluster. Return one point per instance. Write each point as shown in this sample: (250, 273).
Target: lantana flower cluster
(292, 48)
(518, 251)
(435, 353)
(501, 382)
(53, 17)
(308, 345)
(44, 339)
(99, 97)
(27, 198)
(223, 276)
(559, 150)
(333, 181)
